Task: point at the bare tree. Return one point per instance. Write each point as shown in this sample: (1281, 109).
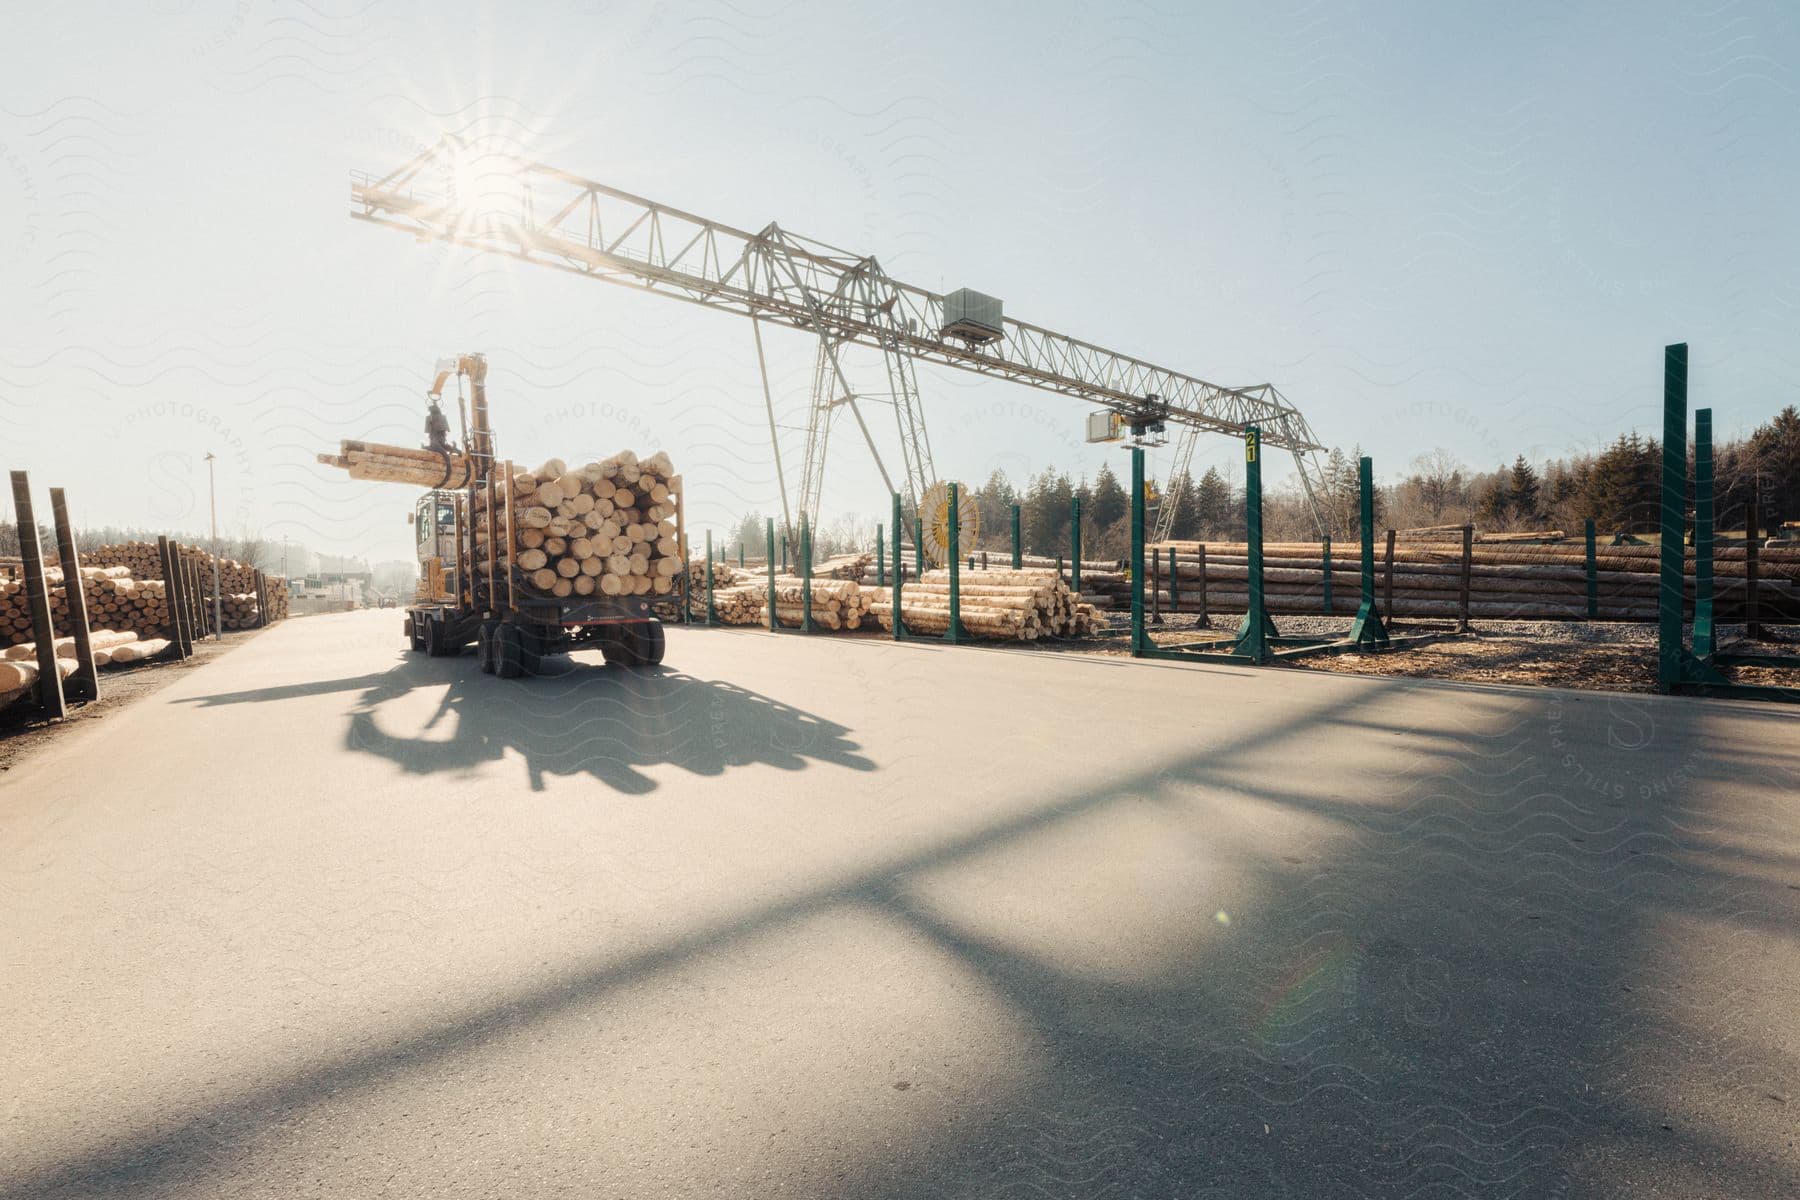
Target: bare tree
(1442, 485)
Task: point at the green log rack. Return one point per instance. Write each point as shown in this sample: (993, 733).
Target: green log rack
(771, 561)
(712, 613)
(955, 635)
(1682, 668)
(806, 621)
(1593, 573)
(1325, 552)
(1257, 640)
(894, 576)
(1075, 544)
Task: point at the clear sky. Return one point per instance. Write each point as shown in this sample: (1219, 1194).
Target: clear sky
(1458, 225)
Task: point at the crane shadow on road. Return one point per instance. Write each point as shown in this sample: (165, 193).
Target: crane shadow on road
(442, 715)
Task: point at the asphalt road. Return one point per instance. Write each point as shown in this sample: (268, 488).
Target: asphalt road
(806, 918)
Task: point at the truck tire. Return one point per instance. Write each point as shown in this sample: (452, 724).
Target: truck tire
(434, 637)
(486, 647)
(616, 645)
(413, 638)
(508, 652)
(651, 642)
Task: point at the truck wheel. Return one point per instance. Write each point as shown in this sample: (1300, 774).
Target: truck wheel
(651, 642)
(618, 645)
(411, 629)
(508, 652)
(485, 647)
(434, 638)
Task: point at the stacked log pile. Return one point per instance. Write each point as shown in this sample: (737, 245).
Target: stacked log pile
(133, 605)
(138, 566)
(19, 679)
(844, 566)
(740, 598)
(139, 650)
(607, 528)
(114, 601)
(989, 560)
(275, 588)
(740, 604)
(109, 646)
(725, 577)
(1452, 535)
(143, 561)
(836, 603)
(117, 602)
(1506, 581)
(238, 609)
(1005, 604)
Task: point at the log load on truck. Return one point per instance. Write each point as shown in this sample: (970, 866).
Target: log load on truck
(527, 564)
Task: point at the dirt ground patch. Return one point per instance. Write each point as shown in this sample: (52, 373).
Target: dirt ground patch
(1605, 667)
(23, 729)
(1597, 668)
(1598, 657)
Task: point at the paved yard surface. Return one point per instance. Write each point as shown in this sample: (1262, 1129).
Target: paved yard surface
(805, 918)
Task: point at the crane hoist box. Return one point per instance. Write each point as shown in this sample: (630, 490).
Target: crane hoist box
(1105, 426)
(973, 317)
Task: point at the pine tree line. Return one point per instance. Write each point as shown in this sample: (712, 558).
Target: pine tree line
(1619, 487)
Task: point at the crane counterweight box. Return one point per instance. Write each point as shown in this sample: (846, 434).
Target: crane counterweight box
(972, 316)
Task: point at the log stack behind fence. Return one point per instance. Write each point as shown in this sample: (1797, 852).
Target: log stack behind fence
(126, 593)
(1505, 581)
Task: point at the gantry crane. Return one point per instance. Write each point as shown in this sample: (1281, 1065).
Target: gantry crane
(503, 204)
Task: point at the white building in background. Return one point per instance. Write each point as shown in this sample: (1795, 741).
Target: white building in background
(331, 582)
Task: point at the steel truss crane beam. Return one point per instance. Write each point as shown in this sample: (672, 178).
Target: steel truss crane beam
(508, 205)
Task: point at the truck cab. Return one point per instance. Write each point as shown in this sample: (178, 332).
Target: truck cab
(434, 528)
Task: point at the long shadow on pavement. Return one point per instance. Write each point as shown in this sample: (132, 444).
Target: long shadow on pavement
(1542, 961)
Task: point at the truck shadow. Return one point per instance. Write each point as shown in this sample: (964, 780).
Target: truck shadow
(581, 718)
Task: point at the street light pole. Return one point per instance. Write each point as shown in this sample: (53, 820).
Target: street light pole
(212, 501)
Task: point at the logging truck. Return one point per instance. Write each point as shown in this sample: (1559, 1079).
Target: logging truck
(473, 588)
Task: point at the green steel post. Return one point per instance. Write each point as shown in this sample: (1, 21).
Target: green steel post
(1253, 638)
(1705, 640)
(1174, 584)
(740, 554)
(899, 569)
(954, 635)
(772, 623)
(784, 566)
(1752, 569)
(1593, 573)
(919, 545)
(1326, 546)
(1154, 585)
(1017, 560)
(1075, 544)
(712, 613)
(1674, 508)
(1139, 640)
(1367, 629)
(806, 625)
(880, 560)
